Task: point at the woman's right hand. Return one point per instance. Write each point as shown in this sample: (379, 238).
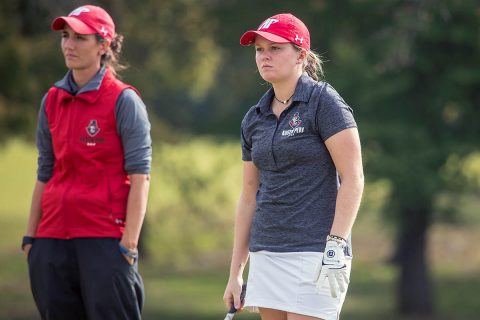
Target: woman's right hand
(232, 293)
(26, 249)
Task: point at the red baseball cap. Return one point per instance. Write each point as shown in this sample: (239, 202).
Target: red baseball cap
(87, 20)
(280, 28)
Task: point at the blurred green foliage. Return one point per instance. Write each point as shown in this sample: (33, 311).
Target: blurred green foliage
(194, 190)
(189, 228)
(410, 70)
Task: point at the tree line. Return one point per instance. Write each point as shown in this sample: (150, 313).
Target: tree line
(410, 69)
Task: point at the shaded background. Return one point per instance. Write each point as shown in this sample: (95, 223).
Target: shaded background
(409, 69)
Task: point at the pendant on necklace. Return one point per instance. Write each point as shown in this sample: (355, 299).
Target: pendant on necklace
(283, 101)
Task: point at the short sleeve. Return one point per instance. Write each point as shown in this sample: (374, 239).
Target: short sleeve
(246, 141)
(333, 114)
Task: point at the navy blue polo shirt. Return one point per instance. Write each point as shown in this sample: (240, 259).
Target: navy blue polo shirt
(298, 180)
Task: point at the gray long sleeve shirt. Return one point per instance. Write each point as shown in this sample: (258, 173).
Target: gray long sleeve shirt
(133, 127)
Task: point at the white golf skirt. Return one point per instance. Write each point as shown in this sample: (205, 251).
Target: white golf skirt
(284, 281)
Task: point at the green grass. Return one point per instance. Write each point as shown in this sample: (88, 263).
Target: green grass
(194, 284)
(199, 296)
(186, 297)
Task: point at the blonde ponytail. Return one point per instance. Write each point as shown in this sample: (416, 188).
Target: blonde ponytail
(313, 66)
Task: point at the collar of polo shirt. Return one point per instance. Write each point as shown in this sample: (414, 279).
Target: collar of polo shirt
(302, 93)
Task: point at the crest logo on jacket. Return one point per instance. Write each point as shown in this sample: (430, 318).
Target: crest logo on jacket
(294, 123)
(92, 128)
(92, 138)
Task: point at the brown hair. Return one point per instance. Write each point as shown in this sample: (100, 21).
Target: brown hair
(112, 57)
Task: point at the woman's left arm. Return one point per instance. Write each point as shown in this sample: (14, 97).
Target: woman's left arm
(345, 150)
(136, 208)
(134, 128)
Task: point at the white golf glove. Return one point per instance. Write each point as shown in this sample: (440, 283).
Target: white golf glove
(333, 267)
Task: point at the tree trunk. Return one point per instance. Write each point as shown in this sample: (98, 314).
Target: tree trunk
(414, 287)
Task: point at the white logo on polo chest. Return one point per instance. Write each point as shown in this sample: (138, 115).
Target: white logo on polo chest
(294, 123)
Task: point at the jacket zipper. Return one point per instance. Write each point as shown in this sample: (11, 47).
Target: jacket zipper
(70, 142)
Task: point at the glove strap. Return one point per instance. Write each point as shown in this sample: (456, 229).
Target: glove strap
(337, 239)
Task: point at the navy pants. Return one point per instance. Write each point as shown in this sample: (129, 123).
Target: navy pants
(84, 278)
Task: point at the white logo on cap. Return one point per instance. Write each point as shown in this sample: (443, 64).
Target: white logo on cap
(267, 23)
(104, 31)
(298, 39)
(79, 11)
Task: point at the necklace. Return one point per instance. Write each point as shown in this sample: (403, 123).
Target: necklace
(283, 101)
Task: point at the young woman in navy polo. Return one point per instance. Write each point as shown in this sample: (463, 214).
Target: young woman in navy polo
(302, 184)
(90, 197)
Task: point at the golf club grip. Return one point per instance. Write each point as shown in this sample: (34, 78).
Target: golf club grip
(242, 297)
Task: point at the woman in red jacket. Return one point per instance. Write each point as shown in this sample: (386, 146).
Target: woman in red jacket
(89, 201)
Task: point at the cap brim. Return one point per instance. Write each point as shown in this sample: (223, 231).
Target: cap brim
(76, 25)
(248, 37)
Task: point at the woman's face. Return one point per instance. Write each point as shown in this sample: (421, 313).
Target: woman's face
(277, 62)
(81, 51)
